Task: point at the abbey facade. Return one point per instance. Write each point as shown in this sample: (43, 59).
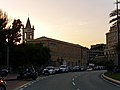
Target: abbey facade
(61, 52)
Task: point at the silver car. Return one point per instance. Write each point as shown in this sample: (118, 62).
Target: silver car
(49, 70)
(63, 68)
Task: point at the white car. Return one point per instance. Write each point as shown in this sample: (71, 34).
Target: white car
(63, 68)
(49, 70)
(89, 69)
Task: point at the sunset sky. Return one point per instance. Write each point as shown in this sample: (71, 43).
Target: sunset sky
(83, 22)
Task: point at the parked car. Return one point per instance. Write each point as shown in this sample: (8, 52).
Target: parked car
(99, 68)
(49, 70)
(57, 70)
(89, 68)
(70, 69)
(63, 68)
(76, 68)
(83, 68)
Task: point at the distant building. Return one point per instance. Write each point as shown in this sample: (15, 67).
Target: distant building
(97, 51)
(61, 52)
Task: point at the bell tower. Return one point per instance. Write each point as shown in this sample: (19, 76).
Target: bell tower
(28, 32)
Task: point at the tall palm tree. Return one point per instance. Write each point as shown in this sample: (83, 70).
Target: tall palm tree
(114, 16)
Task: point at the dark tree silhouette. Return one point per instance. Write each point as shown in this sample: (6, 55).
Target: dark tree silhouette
(114, 17)
(30, 54)
(3, 24)
(14, 33)
(9, 35)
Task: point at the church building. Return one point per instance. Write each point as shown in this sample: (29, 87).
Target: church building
(28, 32)
(61, 52)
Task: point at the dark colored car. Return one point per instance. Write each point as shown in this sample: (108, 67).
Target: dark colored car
(83, 68)
(57, 70)
(76, 69)
(2, 84)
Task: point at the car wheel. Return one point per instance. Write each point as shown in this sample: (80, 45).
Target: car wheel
(2, 88)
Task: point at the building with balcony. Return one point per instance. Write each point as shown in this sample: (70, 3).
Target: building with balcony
(97, 51)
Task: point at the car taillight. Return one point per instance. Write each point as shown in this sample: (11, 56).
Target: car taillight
(1, 81)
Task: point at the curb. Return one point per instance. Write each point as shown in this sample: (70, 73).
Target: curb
(22, 86)
(26, 84)
(111, 80)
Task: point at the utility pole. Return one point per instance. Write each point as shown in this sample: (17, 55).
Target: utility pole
(117, 7)
(7, 56)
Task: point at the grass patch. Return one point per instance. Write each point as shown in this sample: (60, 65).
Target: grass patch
(113, 75)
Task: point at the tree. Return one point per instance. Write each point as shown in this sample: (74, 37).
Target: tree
(3, 24)
(114, 17)
(30, 54)
(110, 66)
(14, 33)
(115, 14)
(9, 35)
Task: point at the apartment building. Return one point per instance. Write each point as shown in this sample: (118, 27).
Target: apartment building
(96, 51)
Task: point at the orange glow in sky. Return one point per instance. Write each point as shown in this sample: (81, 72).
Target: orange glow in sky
(83, 22)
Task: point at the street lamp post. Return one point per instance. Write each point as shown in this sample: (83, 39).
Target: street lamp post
(7, 56)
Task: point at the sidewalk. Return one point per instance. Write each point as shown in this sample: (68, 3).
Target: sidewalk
(11, 76)
(12, 81)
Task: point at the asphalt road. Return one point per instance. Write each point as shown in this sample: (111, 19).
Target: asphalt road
(88, 80)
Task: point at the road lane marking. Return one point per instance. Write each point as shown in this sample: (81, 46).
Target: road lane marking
(21, 88)
(25, 86)
(75, 76)
(73, 83)
(73, 79)
(78, 89)
(29, 84)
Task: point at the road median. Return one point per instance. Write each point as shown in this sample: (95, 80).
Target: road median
(111, 79)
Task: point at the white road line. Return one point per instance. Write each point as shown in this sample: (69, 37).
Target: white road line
(75, 76)
(73, 79)
(25, 86)
(73, 83)
(33, 82)
(21, 88)
(29, 84)
(78, 89)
